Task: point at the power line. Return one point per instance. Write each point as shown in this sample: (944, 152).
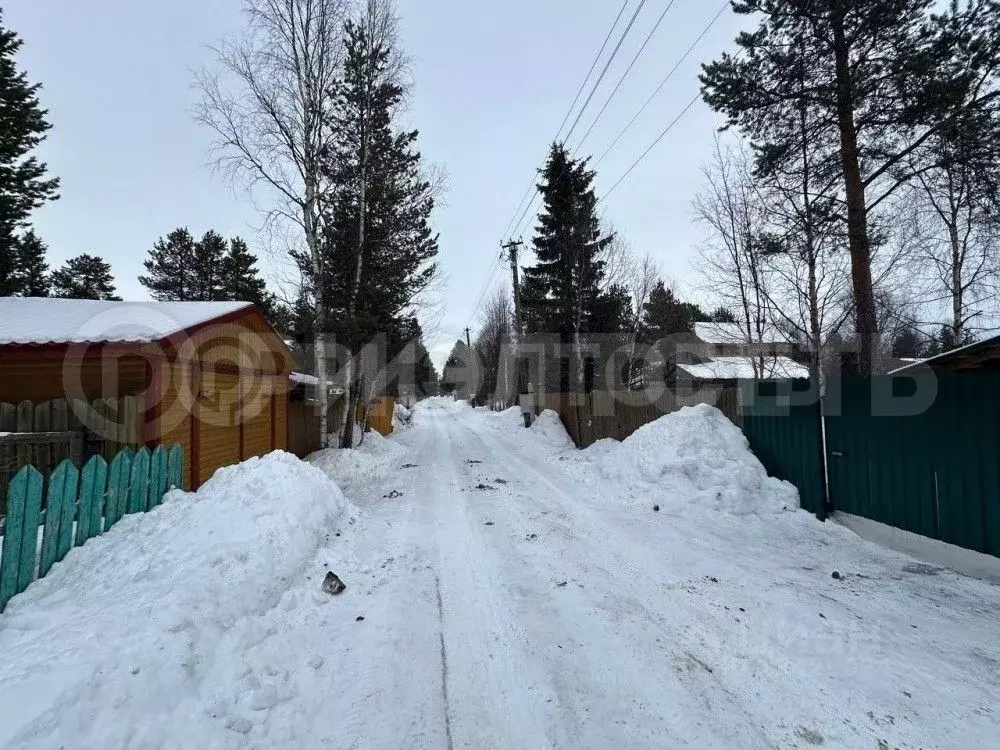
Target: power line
(664, 82)
(653, 145)
(626, 74)
(590, 97)
(532, 186)
(593, 67)
(607, 66)
(569, 112)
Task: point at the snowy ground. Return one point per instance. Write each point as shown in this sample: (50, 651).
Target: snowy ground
(515, 593)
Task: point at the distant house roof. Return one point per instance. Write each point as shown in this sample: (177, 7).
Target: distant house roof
(742, 368)
(40, 321)
(733, 333)
(983, 355)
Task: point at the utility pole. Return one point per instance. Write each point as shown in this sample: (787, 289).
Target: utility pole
(512, 249)
(468, 339)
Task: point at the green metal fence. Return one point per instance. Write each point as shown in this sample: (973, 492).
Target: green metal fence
(782, 422)
(78, 506)
(919, 454)
(936, 472)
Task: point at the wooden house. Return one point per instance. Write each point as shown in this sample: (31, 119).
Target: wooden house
(211, 376)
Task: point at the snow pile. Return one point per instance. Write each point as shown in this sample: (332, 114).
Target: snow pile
(695, 456)
(401, 417)
(549, 428)
(375, 460)
(115, 646)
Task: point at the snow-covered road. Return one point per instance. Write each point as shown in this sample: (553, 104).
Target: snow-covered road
(507, 591)
(525, 601)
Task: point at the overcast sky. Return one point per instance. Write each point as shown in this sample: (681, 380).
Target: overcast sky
(493, 81)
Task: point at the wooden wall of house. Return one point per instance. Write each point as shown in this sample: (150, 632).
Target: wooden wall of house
(220, 392)
(220, 418)
(245, 343)
(30, 374)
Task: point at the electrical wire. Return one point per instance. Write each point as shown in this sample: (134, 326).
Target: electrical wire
(663, 83)
(625, 75)
(590, 97)
(653, 145)
(569, 112)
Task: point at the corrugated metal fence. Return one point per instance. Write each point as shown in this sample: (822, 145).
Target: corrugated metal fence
(935, 473)
(919, 454)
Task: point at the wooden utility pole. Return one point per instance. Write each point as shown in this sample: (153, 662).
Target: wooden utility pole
(468, 338)
(512, 248)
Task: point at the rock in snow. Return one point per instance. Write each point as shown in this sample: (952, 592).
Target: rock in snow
(333, 585)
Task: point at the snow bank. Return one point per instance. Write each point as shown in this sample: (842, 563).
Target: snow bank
(549, 428)
(112, 647)
(695, 456)
(375, 460)
(401, 417)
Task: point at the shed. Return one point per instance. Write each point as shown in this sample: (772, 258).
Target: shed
(983, 356)
(211, 376)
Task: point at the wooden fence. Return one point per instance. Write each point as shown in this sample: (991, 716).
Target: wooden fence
(589, 417)
(45, 434)
(77, 506)
(303, 422)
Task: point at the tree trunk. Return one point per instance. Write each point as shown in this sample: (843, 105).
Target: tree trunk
(354, 373)
(957, 287)
(857, 208)
(319, 325)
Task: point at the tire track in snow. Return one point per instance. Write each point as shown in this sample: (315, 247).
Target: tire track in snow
(627, 577)
(444, 664)
(494, 689)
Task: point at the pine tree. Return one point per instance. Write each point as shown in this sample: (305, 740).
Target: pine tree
(209, 268)
(379, 247)
(23, 184)
(722, 315)
(32, 269)
(241, 279)
(880, 77)
(84, 277)
(563, 293)
(665, 315)
(170, 268)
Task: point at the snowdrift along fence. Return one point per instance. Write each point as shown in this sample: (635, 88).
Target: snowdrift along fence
(783, 423)
(78, 506)
(589, 417)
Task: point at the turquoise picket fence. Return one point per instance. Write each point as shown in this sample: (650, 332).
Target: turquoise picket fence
(79, 505)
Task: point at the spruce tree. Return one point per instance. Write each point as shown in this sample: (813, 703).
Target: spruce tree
(241, 279)
(170, 268)
(458, 372)
(32, 269)
(879, 76)
(722, 315)
(563, 294)
(84, 277)
(379, 247)
(23, 183)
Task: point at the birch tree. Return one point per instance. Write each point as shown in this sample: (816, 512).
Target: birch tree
(732, 258)
(266, 102)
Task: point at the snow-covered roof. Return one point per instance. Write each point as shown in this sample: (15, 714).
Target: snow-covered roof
(311, 381)
(742, 368)
(32, 320)
(733, 333)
